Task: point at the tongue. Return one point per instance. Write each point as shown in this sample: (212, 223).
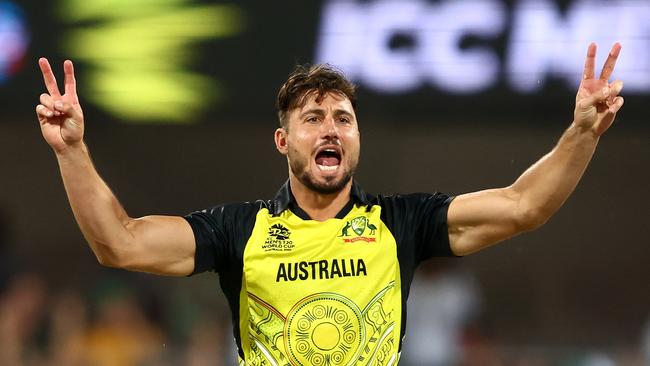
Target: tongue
(327, 160)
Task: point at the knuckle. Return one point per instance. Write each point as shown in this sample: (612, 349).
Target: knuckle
(41, 110)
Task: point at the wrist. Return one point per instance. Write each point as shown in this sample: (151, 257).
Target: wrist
(584, 132)
(71, 151)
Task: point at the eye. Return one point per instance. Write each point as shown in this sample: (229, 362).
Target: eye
(312, 119)
(344, 119)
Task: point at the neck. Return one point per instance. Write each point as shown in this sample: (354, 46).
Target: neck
(319, 206)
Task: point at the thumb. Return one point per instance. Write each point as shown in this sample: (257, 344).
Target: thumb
(595, 98)
(68, 110)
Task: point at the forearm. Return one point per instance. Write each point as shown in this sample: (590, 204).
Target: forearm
(100, 216)
(479, 219)
(546, 185)
(155, 244)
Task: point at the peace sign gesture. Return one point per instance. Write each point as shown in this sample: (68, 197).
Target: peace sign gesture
(60, 116)
(597, 100)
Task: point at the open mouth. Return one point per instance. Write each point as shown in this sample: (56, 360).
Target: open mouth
(328, 159)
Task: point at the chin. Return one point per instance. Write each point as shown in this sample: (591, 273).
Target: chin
(327, 185)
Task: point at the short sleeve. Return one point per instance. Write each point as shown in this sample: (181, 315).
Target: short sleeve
(419, 224)
(221, 233)
(432, 233)
(210, 237)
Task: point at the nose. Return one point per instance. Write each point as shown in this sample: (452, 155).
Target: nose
(330, 129)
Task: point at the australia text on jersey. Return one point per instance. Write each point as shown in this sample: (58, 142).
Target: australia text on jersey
(320, 270)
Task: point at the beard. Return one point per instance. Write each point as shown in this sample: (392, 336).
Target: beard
(298, 166)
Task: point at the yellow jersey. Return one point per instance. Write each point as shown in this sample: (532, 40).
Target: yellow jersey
(306, 292)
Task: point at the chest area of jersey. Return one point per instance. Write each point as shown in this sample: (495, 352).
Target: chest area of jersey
(319, 291)
(290, 257)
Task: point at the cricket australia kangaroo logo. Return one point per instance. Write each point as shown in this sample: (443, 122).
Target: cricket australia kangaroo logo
(359, 226)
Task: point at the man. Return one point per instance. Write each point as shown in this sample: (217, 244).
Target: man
(320, 274)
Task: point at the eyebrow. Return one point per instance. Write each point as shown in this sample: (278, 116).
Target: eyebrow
(339, 112)
(318, 111)
(321, 112)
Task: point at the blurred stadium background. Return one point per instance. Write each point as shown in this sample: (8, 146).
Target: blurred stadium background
(455, 96)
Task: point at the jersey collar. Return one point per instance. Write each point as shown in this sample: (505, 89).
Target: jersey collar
(284, 199)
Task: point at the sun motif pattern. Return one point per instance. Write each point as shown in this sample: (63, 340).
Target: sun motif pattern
(323, 329)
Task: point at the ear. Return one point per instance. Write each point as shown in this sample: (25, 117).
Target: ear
(281, 141)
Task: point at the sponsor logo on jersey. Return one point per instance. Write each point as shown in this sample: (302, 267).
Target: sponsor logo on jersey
(278, 239)
(359, 226)
(321, 270)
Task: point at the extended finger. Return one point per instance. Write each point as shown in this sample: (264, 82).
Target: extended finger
(70, 83)
(48, 77)
(608, 68)
(590, 62)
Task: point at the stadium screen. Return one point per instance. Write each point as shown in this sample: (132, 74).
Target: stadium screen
(186, 61)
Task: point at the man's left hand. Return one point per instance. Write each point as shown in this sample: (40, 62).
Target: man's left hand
(597, 101)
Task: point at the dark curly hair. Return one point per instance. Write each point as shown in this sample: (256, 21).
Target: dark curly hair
(305, 80)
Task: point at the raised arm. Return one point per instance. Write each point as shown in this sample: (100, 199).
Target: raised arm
(155, 244)
(480, 219)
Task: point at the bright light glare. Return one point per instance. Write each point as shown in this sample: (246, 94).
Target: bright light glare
(138, 55)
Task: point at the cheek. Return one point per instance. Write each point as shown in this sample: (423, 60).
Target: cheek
(300, 143)
(297, 152)
(354, 144)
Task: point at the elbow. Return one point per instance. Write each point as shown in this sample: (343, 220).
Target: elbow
(531, 219)
(527, 215)
(108, 256)
(108, 260)
(114, 250)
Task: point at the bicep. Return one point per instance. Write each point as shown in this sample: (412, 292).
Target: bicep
(479, 219)
(162, 245)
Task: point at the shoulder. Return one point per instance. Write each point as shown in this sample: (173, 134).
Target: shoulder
(237, 209)
(412, 210)
(418, 221)
(411, 200)
(228, 217)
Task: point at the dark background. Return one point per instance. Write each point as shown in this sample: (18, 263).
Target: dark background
(579, 282)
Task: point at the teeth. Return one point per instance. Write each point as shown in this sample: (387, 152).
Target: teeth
(327, 167)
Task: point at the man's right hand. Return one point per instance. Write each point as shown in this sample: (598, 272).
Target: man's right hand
(60, 116)
(156, 244)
